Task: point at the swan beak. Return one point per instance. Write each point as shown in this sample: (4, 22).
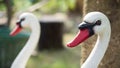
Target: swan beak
(84, 32)
(16, 30)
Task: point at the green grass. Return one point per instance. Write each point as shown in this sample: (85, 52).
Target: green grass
(67, 58)
(59, 59)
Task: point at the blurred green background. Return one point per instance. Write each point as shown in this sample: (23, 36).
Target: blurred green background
(66, 10)
(70, 12)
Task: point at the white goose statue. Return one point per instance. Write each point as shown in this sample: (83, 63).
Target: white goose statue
(26, 20)
(94, 23)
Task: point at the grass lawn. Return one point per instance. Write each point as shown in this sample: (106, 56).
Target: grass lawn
(67, 58)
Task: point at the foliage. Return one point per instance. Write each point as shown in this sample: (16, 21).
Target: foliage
(3, 4)
(17, 4)
(2, 7)
(58, 5)
(34, 1)
(22, 5)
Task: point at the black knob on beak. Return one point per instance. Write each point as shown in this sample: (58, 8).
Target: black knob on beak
(88, 26)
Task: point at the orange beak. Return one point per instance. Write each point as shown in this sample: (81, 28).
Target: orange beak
(16, 30)
(80, 37)
(86, 31)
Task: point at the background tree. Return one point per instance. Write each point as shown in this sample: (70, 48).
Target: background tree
(78, 7)
(9, 10)
(8, 6)
(112, 9)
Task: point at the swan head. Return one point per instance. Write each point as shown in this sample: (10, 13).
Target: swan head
(25, 20)
(93, 23)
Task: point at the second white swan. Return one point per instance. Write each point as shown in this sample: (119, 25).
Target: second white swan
(26, 20)
(94, 23)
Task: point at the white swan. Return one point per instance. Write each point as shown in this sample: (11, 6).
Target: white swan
(94, 23)
(26, 20)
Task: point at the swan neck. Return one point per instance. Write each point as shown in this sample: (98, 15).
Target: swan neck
(98, 51)
(25, 53)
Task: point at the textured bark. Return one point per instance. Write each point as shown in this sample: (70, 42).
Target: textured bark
(112, 9)
(9, 10)
(78, 7)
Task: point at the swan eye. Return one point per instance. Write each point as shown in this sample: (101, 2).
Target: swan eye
(98, 22)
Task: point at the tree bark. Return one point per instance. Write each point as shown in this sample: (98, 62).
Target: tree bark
(112, 9)
(78, 7)
(8, 4)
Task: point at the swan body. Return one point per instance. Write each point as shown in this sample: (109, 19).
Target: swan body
(26, 20)
(94, 23)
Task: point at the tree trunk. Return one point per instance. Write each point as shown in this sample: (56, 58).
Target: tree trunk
(8, 4)
(78, 7)
(112, 9)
